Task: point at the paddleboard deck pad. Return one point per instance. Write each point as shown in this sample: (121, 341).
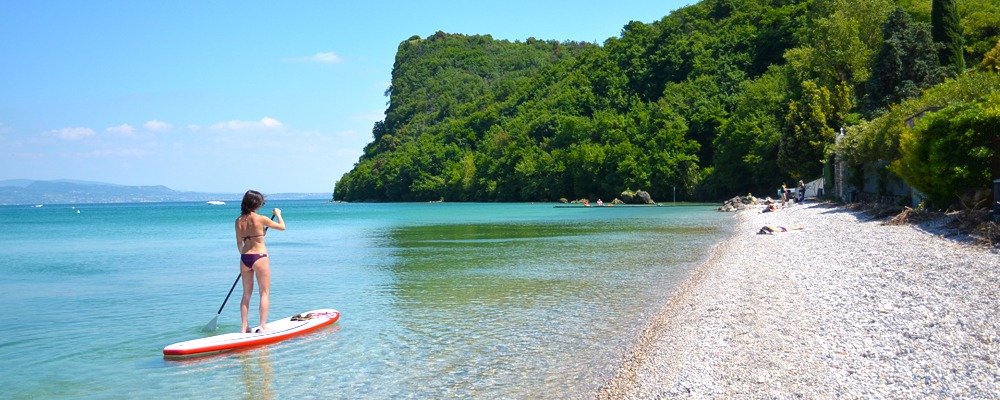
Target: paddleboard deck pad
(277, 331)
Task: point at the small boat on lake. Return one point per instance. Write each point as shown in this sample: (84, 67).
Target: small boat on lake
(216, 203)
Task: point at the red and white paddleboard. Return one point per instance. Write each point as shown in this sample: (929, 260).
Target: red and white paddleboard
(276, 331)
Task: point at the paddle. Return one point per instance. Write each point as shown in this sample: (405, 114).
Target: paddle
(213, 324)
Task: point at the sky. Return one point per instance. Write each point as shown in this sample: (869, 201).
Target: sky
(225, 96)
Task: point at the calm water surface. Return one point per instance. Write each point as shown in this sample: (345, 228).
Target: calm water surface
(464, 300)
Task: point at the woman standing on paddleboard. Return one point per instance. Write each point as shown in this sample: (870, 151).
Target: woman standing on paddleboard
(250, 230)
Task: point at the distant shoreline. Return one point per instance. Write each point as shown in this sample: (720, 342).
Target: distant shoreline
(30, 192)
(847, 307)
(325, 198)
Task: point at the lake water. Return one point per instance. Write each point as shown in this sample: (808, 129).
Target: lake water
(437, 299)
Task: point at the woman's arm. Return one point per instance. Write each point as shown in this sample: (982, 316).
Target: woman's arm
(239, 240)
(278, 224)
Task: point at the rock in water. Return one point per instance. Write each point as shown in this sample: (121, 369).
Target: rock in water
(642, 197)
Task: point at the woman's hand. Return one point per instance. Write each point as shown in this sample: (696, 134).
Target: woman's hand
(279, 224)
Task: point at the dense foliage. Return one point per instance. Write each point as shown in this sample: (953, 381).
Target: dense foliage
(906, 62)
(991, 61)
(950, 150)
(809, 129)
(947, 33)
(720, 97)
(879, 138)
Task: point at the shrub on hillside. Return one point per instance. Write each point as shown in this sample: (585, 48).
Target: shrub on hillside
(991, 61)
(949, 151)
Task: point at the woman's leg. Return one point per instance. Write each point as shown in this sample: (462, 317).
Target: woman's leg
(246, 276)
(263, 270)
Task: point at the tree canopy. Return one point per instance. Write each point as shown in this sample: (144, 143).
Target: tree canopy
(947, 32)
(716, 98)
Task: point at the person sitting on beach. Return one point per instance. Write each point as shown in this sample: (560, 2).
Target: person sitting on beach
(770, 206)
(600, 203)
(770, 230)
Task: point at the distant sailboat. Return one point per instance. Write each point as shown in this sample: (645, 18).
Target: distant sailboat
(216, 203)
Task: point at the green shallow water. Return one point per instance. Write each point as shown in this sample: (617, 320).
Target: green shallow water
(463, 300)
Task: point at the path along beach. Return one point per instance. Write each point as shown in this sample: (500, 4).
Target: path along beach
(846, 308)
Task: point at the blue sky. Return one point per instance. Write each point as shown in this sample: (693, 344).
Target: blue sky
(220, 96)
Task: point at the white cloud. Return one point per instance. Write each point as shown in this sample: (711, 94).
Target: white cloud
(269, 122)
(328, 57)
(157, 126)
(123, 129)
(73, 133)
(237, 125)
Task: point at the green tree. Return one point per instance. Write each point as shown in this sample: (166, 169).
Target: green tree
(878, 140)
(946, 29)
(980, 22)
(980, 27)
(950, 150)
(807, 132)
(991, 61)
(746, 153)
(906, 63)
(839, 41)
(718, 97)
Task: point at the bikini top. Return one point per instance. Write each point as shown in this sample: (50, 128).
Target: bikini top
(253, 236)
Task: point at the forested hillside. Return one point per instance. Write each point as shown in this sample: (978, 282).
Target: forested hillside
(717, 98)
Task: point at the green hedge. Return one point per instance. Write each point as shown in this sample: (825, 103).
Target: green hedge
(950, 150)
(879, 139)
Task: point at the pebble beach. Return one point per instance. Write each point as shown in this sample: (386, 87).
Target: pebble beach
(847, 307)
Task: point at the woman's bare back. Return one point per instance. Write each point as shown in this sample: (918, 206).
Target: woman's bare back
(250, 234)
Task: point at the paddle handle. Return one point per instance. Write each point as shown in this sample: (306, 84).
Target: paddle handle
(229, 294)
(272, 219)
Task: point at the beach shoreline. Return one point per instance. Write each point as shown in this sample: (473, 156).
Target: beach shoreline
(846, 307)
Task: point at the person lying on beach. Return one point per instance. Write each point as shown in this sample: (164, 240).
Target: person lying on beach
(771, 207)
(770, 230)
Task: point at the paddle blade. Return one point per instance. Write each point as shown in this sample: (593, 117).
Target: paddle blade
(212, 325)
(214, 322)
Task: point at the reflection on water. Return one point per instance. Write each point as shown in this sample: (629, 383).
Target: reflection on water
(438, 300)
(488, 304)
(257, 375)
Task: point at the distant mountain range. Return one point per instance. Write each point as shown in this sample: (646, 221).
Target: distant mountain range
(26, 191)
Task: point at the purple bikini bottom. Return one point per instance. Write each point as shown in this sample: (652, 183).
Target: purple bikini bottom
(249, 259)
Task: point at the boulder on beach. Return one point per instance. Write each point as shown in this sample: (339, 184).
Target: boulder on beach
(739, 203)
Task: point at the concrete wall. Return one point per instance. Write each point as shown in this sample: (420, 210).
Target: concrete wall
(879, 186)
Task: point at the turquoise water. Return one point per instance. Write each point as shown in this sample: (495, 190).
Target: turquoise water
(438, 299)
